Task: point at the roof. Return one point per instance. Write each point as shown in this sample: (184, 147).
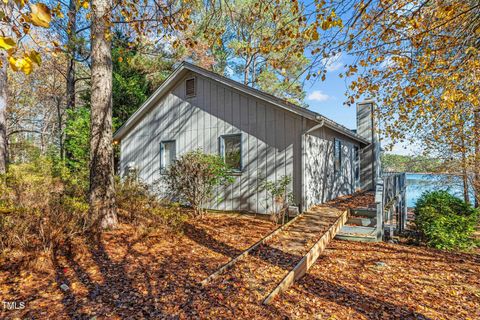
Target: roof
(280, 103)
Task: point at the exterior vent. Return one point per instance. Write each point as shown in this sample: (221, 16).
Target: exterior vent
(190, 87)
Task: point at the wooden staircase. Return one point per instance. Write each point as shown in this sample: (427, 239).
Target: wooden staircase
(360, 226)
(302, 267)
(303, 239)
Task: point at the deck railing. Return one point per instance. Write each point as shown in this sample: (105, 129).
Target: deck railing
(391, 203)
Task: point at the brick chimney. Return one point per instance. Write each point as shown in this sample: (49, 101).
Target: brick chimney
(369, 155)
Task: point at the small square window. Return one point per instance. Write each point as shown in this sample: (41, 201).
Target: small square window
(231, 151)
(167, 154)
(190, 89)
(337, 153)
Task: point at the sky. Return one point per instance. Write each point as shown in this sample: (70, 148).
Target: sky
(327, 98)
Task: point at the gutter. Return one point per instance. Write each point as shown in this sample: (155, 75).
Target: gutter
(341, 129)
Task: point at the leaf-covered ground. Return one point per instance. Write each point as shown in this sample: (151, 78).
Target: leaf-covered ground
(130, 276)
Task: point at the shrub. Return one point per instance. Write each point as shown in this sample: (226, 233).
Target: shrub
(43, 205)
(445, 221)
(139, 206)
(193, 178)
(282, 197)
(35, 211)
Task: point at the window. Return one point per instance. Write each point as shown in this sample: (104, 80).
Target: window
(167, 154)
(231, 151)
(356, 166)
(190, 87)
(337, 153)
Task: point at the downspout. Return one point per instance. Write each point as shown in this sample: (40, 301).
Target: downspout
(315, 127)
(303, 207)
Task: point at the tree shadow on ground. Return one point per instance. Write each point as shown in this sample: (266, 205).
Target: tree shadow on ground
(152, 290)
(142, 282)
(117, 291)
(201, 237)
(369, 306)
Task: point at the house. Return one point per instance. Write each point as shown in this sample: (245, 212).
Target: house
(260, 136)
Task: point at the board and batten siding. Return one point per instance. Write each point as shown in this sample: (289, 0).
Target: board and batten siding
(271, 140)
(322, 183)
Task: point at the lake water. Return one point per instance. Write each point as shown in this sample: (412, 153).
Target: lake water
(418, 183)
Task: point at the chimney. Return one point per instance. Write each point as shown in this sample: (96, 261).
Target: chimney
(369, 155)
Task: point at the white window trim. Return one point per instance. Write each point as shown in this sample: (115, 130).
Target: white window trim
(222, 149)
(162, 164)
(339, 169)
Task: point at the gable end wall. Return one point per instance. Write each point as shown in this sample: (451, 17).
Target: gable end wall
(271, 139)
(271, 145)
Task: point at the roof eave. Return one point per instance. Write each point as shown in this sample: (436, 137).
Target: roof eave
(145, 107)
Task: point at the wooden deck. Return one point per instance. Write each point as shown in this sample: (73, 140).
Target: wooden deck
(292, 249)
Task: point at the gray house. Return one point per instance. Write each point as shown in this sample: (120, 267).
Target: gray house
(260, 136)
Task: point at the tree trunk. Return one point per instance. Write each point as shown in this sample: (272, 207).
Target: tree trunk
(254, 73)
(72, 29)
(60, 129)
(3, 111)
(102, 191)
(245, 74)
(476, 157)
(466, 195)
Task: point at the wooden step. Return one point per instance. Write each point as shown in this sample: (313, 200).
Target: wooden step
(372, 213)
(358, 233)
(364, 222)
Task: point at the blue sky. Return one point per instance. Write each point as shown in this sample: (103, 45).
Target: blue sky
(327, 97)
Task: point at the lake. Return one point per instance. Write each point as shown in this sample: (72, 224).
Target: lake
(417, 183)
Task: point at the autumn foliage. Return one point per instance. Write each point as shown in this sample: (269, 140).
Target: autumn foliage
(420, 60)
(43, 206)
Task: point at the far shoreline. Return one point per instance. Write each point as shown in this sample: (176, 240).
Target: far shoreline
(426, 173)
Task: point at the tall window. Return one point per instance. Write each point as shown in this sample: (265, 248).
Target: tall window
(356, 166)
(231, 151)
(337, 153)
(190, 89)
(167, 154)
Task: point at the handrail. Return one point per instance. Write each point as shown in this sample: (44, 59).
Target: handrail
(390, 198)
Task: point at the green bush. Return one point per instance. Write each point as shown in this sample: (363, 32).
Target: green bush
(281, 196)
(446, 222)
(193, 178)
(77, 139)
